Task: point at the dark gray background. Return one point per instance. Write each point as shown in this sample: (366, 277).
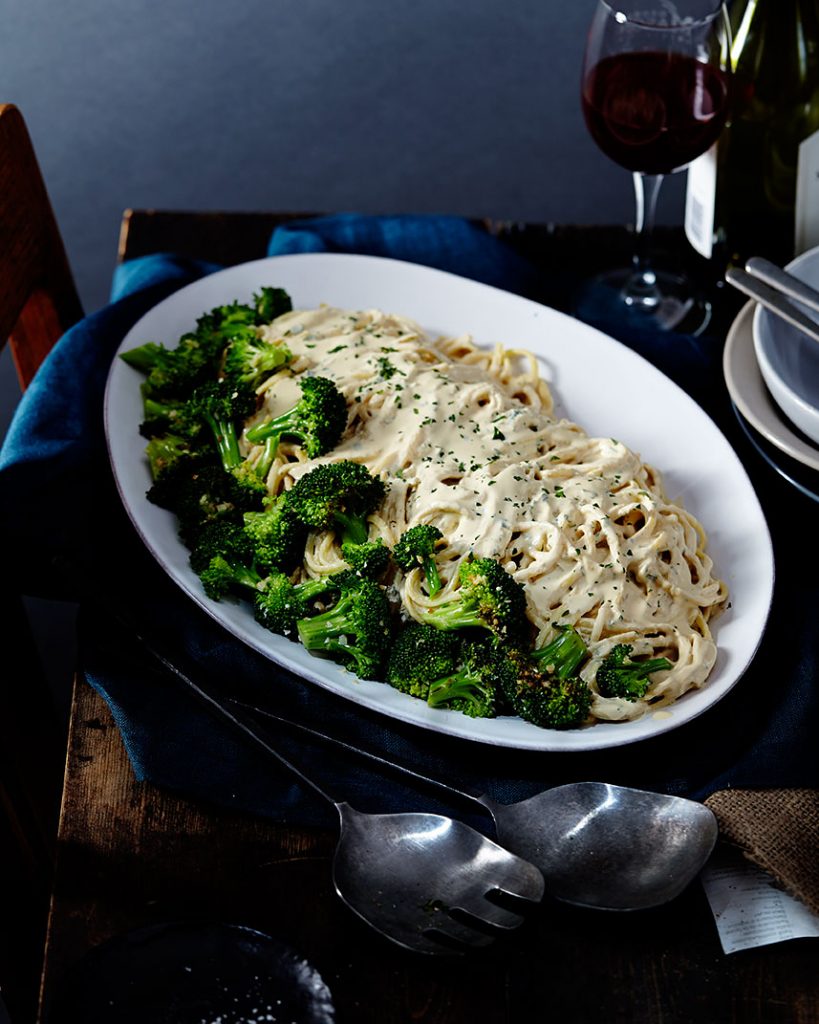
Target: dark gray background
(430, 106)
(433, 106)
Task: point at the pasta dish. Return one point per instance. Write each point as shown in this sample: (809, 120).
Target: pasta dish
(466, 440)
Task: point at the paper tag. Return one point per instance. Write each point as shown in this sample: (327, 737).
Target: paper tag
(806, 226)
(700, 200)
(748, 909)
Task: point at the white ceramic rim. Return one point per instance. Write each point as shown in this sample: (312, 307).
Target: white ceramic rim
(746, 386)
(797, 409)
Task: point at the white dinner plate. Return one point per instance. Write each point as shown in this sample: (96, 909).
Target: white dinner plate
(599, 383)
(747, 389)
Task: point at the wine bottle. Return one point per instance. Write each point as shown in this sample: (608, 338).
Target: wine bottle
(756, 192)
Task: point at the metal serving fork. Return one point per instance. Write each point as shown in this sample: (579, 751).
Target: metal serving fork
(424, 881)
(598, 845)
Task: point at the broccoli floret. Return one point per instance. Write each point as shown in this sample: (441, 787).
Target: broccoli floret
(224, 560)
(563, 655)
(316, 421)
(369, 560)
(420, 656)
(554, 703)
(417, 548)
(472, 689)
(488, 598)
(147, 357)
(445, 670)
(171, 455)
(250, 360)
(279, 607)
(618, 677)
(339, 496)
(278, 537)
(199, 492)
(355, 631)
(221, 405)
(173, 373)
(270, 303)
(250, 482)
(223, 576)
(281, 603)
(168, 416)
(235, 318)
(547, 693)
(224, 537)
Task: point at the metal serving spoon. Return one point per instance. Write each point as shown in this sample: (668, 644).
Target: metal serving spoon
(425, 881)
(598, 845)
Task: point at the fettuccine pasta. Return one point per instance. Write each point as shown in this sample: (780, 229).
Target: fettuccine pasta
(467, 441)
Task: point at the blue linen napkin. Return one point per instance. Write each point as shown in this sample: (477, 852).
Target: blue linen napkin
(71, 538)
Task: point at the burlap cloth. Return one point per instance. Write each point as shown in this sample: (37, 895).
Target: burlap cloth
(777, 829)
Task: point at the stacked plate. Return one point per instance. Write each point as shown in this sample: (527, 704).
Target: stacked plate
(772, 374)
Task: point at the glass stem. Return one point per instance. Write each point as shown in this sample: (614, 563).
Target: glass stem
(641, 290)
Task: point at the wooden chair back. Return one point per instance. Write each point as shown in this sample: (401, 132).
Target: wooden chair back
(38, 298)
(38, 303)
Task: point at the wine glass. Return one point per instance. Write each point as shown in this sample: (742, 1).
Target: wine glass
(655, 95)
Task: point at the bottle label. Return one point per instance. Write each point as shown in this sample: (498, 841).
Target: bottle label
(700, 197)
(806, 226)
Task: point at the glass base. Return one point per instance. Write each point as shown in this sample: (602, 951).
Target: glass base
(662, 301)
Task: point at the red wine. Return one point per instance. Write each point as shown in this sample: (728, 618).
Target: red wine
(654, 112)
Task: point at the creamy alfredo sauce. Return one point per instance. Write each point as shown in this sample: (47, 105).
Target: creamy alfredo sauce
(466, 441)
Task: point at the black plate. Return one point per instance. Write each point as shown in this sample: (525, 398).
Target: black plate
(803, 478)
(178, 973)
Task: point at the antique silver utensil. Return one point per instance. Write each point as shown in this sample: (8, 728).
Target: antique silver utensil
(598, 845)
(774, 288)
(425, 881)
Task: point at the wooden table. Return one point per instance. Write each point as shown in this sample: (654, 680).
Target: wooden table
(130, 854)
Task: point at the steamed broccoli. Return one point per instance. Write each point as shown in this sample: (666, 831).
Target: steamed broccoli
(173, 373)
(554, 703)
(420, 656)
(445, 670)
(171, 455)
(472, 689)
(234, 318)
(280, 603)
(225, 537)
(316, 421)
(337, 495)
(211, 410)
(250, 360)
(199, 492)
(368, 560)
(416, 548)
(271, 303)
(563, 655)
(618, 677)
(223, 576)
(489, 598)
(355, 631)
(168, 415)
(250, 481)
(221, 405)
(224, 560)
(278, 537)
(542, 686)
